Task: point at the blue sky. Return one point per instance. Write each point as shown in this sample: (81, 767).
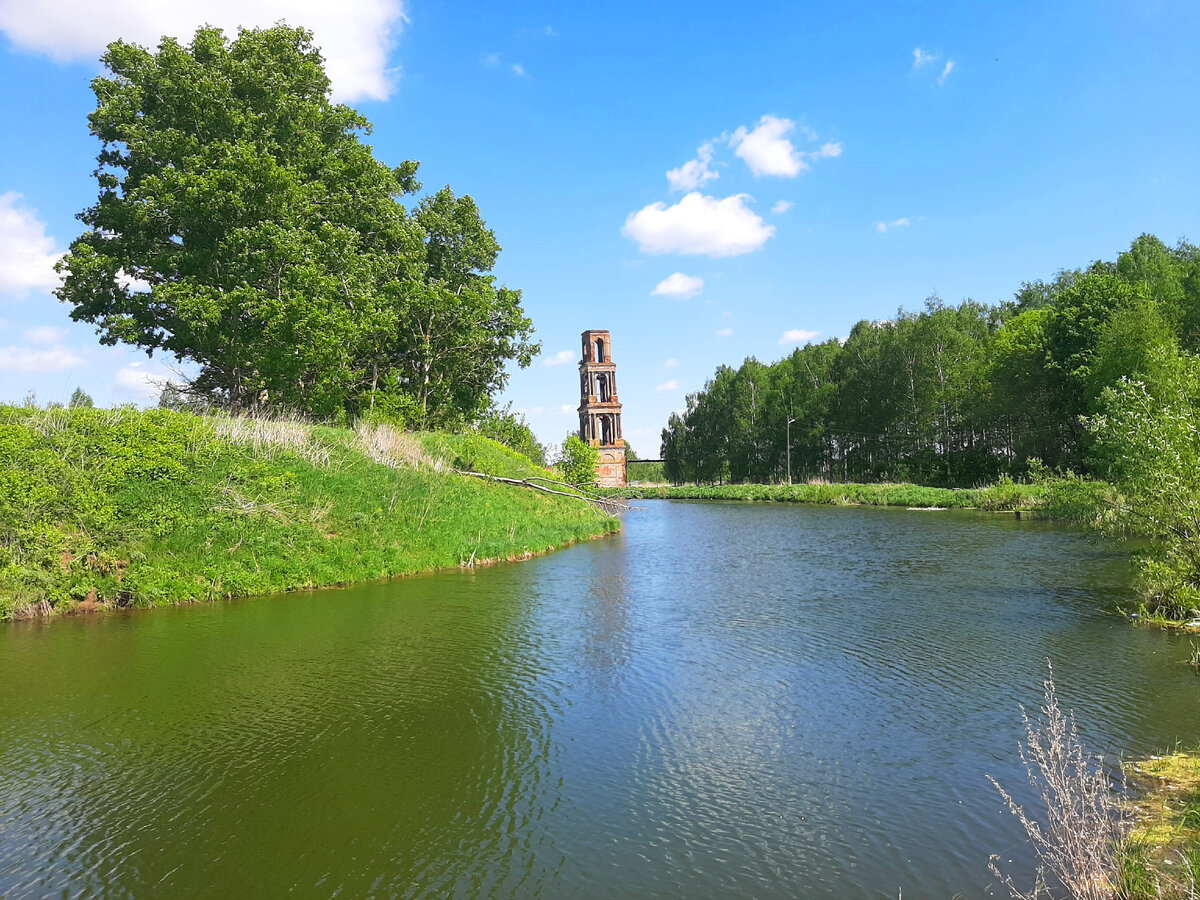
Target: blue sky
(829, 163)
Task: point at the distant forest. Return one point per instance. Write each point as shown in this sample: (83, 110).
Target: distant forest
(950, 395)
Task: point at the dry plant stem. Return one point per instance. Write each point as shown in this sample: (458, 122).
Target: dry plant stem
(1084, 826)
(605, 504)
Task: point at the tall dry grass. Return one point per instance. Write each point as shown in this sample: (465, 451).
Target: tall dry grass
(268, 435)
(1078, 840)
(393, 448)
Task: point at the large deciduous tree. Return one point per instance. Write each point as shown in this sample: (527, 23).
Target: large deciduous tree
(242, 225)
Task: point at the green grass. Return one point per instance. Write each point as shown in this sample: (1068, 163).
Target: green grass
(1053, 498)
(1007, 496)
(145, 508)
(1160, 857)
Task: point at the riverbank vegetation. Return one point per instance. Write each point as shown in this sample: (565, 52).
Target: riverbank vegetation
(1093, 376)
(143, 508)
(1059, 498)
(1101, 831)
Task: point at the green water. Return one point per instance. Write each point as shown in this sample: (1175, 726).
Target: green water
(727, 700)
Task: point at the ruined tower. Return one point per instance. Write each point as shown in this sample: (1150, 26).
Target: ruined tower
(599, 411)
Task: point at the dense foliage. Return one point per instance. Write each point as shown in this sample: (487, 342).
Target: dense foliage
(578, 461)
(242, 225)
(950, 395)
(506, 427)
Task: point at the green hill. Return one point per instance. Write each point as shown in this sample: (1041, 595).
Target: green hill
(144, 508)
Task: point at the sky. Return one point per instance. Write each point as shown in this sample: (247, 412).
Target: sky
(706, 181)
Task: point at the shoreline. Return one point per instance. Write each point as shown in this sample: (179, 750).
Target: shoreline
(1005, 496)
(95, 607)
(143, 508)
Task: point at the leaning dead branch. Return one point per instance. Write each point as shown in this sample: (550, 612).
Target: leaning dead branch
(607, 505)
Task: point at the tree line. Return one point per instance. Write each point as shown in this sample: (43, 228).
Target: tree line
(951, 395)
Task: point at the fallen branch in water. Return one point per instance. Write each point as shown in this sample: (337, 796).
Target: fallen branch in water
(609, 505)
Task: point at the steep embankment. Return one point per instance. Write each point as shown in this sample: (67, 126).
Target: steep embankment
(143, 508)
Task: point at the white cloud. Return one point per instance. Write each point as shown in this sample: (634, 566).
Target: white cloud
(829, 150)
(782, 206)
(45, 335)
(567, 409)
(902, 222)
(134, 285)
(27, 255)
(671, 385)
(680, 286)
(490, 59)
(922, 58)
(698, 224)
(38, 362)
(766, 149)
(355, 36)
(671, 362)
(562, 356)
(694, 173)
(144, 379)
(725, 332)
(518, 70)
(798, 336)
(946, 70)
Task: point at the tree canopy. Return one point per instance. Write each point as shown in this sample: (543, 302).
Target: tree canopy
(243, 225)
(951, 395)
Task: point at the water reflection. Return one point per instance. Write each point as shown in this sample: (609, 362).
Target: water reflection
(726, 700)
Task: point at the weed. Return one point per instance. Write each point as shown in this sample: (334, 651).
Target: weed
(1077, 840)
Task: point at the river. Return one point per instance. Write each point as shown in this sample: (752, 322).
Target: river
(726, 700)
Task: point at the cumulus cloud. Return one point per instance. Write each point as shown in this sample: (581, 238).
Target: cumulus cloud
(946, 70)
(798, 336)
(143, 379)
(490, 59)
(725, 332)
(559, 358)
(38, 362)
(694, 173)
(680, 286)
(355, 36)
(518, 70)
(698, 224)
(671, 385)
(671, 362)
(767, 150)
(782, 206)
(27, 254)
(883, 227)
(566, 409)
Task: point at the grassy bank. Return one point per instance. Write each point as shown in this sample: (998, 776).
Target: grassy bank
(1006, 495)
(144, 508)
(1160, 857)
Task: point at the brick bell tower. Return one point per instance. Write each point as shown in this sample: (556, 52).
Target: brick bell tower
(599, 411)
